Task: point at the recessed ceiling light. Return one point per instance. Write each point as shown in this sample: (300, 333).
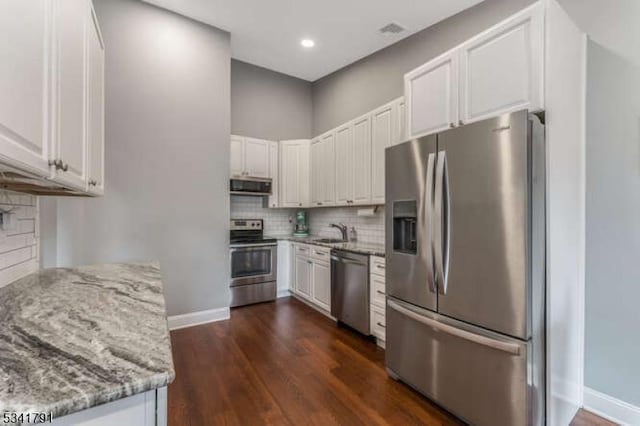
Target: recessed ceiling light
(307, 42)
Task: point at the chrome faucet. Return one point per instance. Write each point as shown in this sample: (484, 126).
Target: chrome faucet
(343, 230)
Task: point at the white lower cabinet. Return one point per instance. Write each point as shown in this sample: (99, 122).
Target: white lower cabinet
(143, 409)
(312, 275)
(378, 299)
(302, 275)
(321, 284)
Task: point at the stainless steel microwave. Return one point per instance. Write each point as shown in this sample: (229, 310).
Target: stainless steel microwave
(250, 186)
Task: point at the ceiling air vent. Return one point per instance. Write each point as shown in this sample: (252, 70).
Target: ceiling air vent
(391, 29)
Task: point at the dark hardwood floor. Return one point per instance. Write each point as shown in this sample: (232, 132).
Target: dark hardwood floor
(284, 363)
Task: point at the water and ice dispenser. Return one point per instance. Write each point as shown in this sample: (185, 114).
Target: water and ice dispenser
(405, 221)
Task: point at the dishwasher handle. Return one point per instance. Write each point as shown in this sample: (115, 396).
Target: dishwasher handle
(348, 260)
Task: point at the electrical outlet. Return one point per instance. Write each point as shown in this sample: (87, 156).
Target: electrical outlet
(8, 221)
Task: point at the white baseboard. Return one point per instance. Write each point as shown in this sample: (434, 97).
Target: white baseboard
(283, 293)
(196, 318)
(611, 408)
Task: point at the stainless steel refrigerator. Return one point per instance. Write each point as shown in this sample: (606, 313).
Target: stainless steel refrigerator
(465, 247)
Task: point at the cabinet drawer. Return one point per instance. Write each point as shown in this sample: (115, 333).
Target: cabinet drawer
(302, 250)
(378, 265)
(378, 322)
(322, 254)
(378, 290)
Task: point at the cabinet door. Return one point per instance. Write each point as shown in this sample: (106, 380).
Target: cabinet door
(381, 137)
(326, 173)
(294, 173)
(95, 112)
(274, 174)
(501, 70)
(344, 164)
(362, 160)
(316, 173)
(237, 156)
(25, 84)
(256, 158)
(322, 285)
(431, 94)
(71, 21)
(289, 188)
(303, 277)
(304, 170)
(400, 121)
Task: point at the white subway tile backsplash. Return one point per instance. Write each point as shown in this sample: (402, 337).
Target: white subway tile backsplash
(280, 221)
(19, 247)
(276, 221)
(368, 229)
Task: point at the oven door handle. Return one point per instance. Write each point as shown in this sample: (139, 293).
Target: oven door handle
(252, 247)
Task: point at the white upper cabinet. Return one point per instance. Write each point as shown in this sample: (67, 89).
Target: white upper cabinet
(249, 157)
(294, 173)
(362, 160)
(274, 171)
(95, 98)
(431, 91)
(344, 164)
(382, 133)
(72, 18)
(25, 84)
(322, 166)
(52, 86)
(501, 70)
(400, 126)
(256, 158)
(237, 156)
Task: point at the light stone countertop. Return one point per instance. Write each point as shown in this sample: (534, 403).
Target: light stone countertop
(74, 338)
(371, 249)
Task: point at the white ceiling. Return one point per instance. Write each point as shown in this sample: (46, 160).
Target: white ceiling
(268, 32)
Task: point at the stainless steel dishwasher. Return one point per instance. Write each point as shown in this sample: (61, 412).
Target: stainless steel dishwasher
(350, 289)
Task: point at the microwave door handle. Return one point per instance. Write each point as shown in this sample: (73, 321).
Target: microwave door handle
(442, 223)
(428, 223)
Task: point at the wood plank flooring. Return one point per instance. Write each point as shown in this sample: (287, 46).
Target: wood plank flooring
(284, 363)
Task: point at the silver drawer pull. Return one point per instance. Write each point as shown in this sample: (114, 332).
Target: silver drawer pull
(381, 325)
(321, 253)
(380, 266)
(381, 292)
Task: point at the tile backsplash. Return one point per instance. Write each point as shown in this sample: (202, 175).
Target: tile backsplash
(19, 251)
(276, 221)
(280, 221)
(370, 229)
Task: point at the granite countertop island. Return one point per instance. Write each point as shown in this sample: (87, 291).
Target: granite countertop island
(74, 338)
(371, 249)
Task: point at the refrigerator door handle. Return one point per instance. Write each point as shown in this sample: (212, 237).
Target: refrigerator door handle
(510, 348)
(442, 223)
(428, 219)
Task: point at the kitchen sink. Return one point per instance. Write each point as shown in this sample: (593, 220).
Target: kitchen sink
(329, 240)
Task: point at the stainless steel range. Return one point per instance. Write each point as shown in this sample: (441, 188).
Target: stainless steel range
(253, 263)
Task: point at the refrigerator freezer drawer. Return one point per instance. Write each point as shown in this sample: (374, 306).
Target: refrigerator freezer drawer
(479, 376)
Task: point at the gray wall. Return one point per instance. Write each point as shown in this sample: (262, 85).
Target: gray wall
(378, 78)
(267, 104)
(612, 347)
(167, 157)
